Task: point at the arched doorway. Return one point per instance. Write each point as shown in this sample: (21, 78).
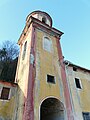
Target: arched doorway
(52, 109)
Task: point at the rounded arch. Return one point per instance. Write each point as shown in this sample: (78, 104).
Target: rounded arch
(51, 109)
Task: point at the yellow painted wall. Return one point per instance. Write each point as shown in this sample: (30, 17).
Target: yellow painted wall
(7, 110)
(8, 107)
(80, 97)
(47, 66)
(46, 63)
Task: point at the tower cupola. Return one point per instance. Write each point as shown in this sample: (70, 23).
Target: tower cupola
(41, 16)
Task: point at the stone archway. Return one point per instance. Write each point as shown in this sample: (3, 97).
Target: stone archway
(52, 109)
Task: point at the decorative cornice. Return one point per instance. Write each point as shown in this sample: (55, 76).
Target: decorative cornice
(38, 24)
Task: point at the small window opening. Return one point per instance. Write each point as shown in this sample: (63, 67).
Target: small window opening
(74, 69)
(28, 25)
(24, 50)
(5, 93)
(24, 34)
(51, 79)
(77, 81)
(44, 20)
(86, 115)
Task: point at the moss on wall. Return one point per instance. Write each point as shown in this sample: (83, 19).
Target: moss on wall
(7, 109)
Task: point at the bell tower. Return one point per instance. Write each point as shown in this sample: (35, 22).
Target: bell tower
(40, 71)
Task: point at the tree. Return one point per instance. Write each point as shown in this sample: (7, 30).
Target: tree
(9, 51)
(8, 61)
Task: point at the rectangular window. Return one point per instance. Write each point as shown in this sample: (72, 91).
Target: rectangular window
(77, 81)
(86, 115)
(5, 93)
(24, 50)
(50, 79)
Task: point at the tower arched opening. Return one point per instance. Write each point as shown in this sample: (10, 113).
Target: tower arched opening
(52, 109)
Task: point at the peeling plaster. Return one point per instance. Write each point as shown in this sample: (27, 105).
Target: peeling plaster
(31, 58)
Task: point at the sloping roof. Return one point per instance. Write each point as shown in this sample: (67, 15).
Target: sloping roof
(74, 65)
(8, 83)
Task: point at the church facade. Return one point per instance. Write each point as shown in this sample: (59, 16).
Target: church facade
(45, 88)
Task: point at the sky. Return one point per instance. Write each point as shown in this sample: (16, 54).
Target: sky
(69, 16)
